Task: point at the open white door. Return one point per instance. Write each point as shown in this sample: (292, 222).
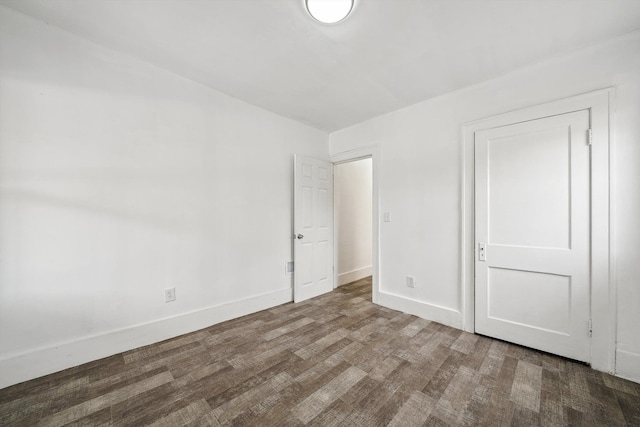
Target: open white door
(313, 228)
(532, 215)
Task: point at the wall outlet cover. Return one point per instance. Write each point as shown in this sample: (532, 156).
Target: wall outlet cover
(411, 281)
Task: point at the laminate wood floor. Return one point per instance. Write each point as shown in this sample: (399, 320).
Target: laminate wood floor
(335, 360)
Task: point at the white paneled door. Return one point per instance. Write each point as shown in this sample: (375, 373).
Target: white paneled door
(532, 214)
(313, 228)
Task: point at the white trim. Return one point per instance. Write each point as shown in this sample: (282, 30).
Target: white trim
(353, 275)
(603, 291)
(613, 281)
(372, 152)
(432, 312)
(628, 365)
(33, 364)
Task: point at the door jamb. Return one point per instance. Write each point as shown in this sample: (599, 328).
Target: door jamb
(350, 156)
(603, 287)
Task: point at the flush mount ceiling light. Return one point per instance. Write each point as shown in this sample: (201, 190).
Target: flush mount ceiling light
(329, 11)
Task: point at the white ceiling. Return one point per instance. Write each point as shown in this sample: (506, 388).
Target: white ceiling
(388, 54)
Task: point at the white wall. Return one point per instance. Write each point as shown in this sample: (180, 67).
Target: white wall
(118, 180)
(353, 198)
(421, 171)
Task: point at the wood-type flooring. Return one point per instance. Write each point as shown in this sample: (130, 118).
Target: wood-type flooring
(335, 360)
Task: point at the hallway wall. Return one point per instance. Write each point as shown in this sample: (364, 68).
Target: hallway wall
(353, 222)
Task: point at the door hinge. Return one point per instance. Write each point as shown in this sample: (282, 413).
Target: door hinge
(589, 137)
(590, 328)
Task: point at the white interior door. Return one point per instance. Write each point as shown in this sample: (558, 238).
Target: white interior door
(532, 215)
(313, 228)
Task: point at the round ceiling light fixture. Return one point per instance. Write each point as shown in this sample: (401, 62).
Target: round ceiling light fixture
(329, 11)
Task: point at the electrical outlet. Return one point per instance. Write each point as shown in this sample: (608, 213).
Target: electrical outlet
(386, 217)
(169, 294)
(411, 281)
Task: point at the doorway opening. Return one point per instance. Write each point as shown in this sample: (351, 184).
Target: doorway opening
(353, 222)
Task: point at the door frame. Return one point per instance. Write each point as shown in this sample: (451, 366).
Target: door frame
(350, 156)
(603, 290)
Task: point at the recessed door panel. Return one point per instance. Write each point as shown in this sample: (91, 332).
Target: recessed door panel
(307, 207)
(529, 178)
(516, 296)
(323, 173)
(323, 208)
(306, 269)
(322, 260)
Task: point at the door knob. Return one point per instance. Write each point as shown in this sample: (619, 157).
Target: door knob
(299, 236)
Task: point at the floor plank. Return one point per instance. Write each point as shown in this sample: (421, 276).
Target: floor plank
(335, 360)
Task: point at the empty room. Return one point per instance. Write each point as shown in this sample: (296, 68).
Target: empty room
(319, 212)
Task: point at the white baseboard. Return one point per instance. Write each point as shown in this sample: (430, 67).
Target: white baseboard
(628, 365)
(439, 314)
(36, 363)
(352, 276)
